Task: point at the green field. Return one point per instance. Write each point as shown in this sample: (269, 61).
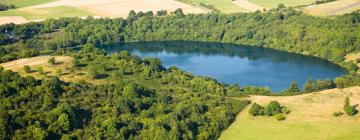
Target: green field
(311, 118)
(25, 3)
(274, 3)
(225, 6)
(251, 128)
(46, 13)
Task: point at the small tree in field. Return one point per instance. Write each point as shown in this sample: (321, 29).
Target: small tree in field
(349, 109)
(52, 61)
(27, 69)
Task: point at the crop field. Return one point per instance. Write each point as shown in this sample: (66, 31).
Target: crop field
(334, 8)
(44, 9)
(224, 6)
(311, 117)
(274, 3)
(46, 13)
(25, 3)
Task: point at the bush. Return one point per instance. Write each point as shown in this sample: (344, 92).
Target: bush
(27, 69)
(52, 61)
(272, 108)
(40, 70)
(349, 109)
(280, 117)
(285, 110)
(256, 110)
(337, 114)
(358, 60)
(342, 82)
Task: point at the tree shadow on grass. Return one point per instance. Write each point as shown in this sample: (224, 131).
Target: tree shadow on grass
(102, 76)
(58, 63)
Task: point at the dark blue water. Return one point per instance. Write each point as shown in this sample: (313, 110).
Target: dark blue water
(241, 64)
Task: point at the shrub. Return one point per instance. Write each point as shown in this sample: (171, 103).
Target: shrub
(41, 70)
(280, 117)
(285, 110)
(358, 60)
(349, 109)
(75, 62)
(337, 114)
(342, 82)
(52, 61)
(294, 87)
(272, 108)
(256, 110)
(27, 69)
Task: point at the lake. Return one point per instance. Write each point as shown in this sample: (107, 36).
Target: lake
(240, 64)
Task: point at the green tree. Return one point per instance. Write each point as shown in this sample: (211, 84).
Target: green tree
(272, 108)
(179, 12)
(130, 91)
(75, 62)
(94, 74)
(40, 70)
(349, 109)
(52, 61)
(131, 15)
(3, 129)
(60, 126)
(342, 82)
(309, 86)
(294, 87)
(256, 110)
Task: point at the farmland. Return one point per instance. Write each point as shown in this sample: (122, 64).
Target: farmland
(274, 3)
(41, 9)
(334, 8)
(46, 13)
(25, 3)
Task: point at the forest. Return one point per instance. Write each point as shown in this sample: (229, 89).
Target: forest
(191, 107)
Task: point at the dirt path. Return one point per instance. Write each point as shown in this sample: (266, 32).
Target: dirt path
(247, 5)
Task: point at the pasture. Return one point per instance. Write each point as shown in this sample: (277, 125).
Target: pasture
(46, 13)
(311, 117)
(274, 3)
(25, 3)
(334, 8)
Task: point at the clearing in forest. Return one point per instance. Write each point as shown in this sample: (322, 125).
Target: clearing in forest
(311, 117)
(334, 8)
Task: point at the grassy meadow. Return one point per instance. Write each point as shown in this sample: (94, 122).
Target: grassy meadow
(274, 3)
(46, 13)
(311, 117)
(225, 6)
(25, 3)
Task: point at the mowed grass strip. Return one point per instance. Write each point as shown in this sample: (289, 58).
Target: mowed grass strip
(274, 3)
(47, 13)
(311, 118)
(25, 3)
